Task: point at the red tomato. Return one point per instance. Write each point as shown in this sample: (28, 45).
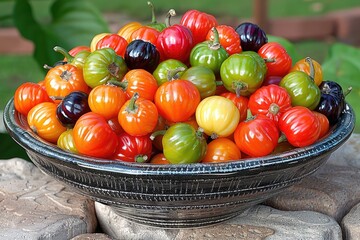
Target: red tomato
(199, 24)
(300, 126)
(61, 80)
(146, 33)
(175, 42)
(140, 81)
(138, 116)
(228, 38)
(94, 137)
(43, 121)
(277, 60)
(240, 102)
(113, 41)
(133, 148)
(257, 137)
(28, 95)
(271, 101)
(221, 150)
(324, 123)
(177, 100)
(107, 100)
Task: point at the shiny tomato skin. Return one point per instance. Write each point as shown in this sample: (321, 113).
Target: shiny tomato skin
(146, 33)
(127, 30)
(257, 137)
(228, 38)
(199, 24)
(271, 101)
(300, 126)
(278, 61)
(94, 137)
(177, 100)
(221, 150)
(66, 141)
(240, 102)
(28, 95)
(138, 116)
(107, 100)
(303, 65)
(217, 116)
(324, 123)
(133, 148)
(141, 82)
(159, 159)
(113, 41)
(61, 80)
(43, 121)
(172, 39)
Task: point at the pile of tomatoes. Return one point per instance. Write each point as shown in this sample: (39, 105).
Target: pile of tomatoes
(191, 92)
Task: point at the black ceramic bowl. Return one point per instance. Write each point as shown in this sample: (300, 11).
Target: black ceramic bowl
(175, 196)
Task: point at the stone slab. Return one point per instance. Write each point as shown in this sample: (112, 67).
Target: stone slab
(35, 206)
(333, 190)
(350, 224)
(259, 222)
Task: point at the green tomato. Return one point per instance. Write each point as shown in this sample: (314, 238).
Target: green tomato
(302, 89)
(168, 70)
(258, 58)
(103, 65)
(242, 74)
(209, 54)
(203, 78)
(183, 144)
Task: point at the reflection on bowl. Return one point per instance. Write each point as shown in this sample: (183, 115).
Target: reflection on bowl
(175, 196)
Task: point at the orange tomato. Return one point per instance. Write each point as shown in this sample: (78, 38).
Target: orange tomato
(126, 30)
(145, 33)
(221, 150)
(304, 66)
(159, 159)
(140, 81)
(43, 121)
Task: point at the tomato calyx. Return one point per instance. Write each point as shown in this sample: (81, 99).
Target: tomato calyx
(312, 68)
(239, 87)
(141, 158)
(173, 74)
(132, 107)
(274, 108)
(114, 70)
(215, 44)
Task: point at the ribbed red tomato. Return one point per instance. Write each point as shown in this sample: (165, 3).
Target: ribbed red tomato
(278, 61)
(228, 38)
(113, 41)
(146, 33)
(94, 137)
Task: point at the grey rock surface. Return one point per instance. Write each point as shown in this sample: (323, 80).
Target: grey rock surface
(333, 190)
(259, 222)
(35, 206)
(351, 224)
(92, 236)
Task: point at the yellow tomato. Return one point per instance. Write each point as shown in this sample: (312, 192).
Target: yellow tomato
(217, 116)
(66, 141)
(127, 30)
(95, 40)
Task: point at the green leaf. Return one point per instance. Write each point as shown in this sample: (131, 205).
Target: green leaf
(343, 67)
(73, 23)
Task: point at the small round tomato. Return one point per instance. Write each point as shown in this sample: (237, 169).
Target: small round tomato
(300, 126)
(126, 30)
(66, 141)
(217, 116)
(271, 101)
(324, 123)
(28, 95)
(95, 40)
(138, 116)
(311, 67)
(228, 38)
(94, 137)
(133, 148)
(42, 120)
(257, 136)
(203, 78)
(107, 100)
(113, 41)
(159, 159)
(177, 100)
(221, 150)
(183, 144)
(140, 81)
(146, 33)
(240, 102)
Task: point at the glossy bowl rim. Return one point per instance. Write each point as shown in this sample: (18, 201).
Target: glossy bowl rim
(337, 135)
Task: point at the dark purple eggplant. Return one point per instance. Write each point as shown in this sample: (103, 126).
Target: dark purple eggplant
(252, 37)
(142, 54)
(332, 101)
(72, 107)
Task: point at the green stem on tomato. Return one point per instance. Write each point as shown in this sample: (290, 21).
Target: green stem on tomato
(65, 53)
(157, 133)
(215, 44)
(238, 87)
(173, 74)
(312, 69)
(171, 13)
(282, 138)
(219, 83)
(141, 158)
(132, 107)
(153, 18)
